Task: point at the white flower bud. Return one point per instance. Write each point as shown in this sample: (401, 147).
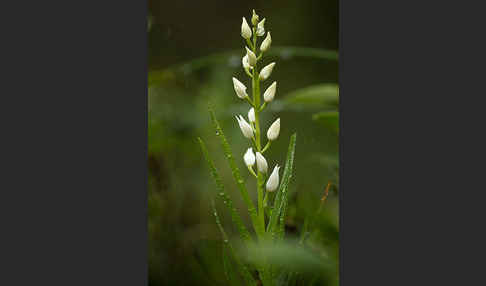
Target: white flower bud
(245, 127)
(272, 182)
(246, 63)
(266, 43)
(251, 115)
(274, 130)
(251, 57)
(261, 163)
(249, 157)
(266, 71)
(240, 88)
(245, 29)
(254, 18)
(270, 92)
(260, 28)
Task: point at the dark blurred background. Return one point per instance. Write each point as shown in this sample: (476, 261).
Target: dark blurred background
(194, 48)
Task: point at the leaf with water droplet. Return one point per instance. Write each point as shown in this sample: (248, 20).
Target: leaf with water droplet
(244, 234)
(279, 207)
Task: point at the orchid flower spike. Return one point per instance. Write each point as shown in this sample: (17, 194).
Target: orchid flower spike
(245, 29)
(251, 115)
(272, 182)
(245, 127)
(266, 71)
(266, 43)
(240, 88)
(269, 94)
(249, 157)
(274, 130)
(260, 28)
(251, 57)
(261, 163)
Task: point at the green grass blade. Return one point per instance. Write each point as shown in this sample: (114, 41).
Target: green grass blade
(281, 226)
(259, 229)
(241, 267)
(229, 267)
(281, 198)
(228, 271)
(244, 234)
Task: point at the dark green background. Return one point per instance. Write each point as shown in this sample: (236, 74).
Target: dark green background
(194, 48)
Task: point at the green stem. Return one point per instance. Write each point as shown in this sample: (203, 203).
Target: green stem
(263, 106)
(249, 101)
(256, 102)
(263, 271)
(251, 171)
(266, 146)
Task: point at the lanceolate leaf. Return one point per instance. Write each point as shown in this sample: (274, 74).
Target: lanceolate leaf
(230, 269)
(244, 234)
(259, 229)
(281, 227)
(279, 207)
(241, 267)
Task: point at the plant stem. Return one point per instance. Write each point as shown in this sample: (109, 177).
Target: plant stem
(266, 146)
(256, 101)
(263, 272)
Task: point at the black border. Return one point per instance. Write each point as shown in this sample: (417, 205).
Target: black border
(74, 147)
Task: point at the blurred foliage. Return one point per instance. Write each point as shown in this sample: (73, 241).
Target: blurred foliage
(185, 245)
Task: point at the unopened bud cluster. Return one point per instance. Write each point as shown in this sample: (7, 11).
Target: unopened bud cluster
(251, 129)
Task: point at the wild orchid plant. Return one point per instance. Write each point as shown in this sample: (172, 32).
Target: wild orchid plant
(269, 215)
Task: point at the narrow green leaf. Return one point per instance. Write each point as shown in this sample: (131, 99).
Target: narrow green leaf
(280, 199)
(229, 267)
(241, 267)
(244, 234)
(281, 227)
(228, 271)
(259, 229)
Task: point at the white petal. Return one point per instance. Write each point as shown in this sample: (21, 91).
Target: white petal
(266, 43)
(249, 157)
(266, 71)
(261, 28)
(240, 88)
(261, 163)
(245, 29)
(269, 94)
(274, 130)
(251, 115)
(251, 57)
(272, 182)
